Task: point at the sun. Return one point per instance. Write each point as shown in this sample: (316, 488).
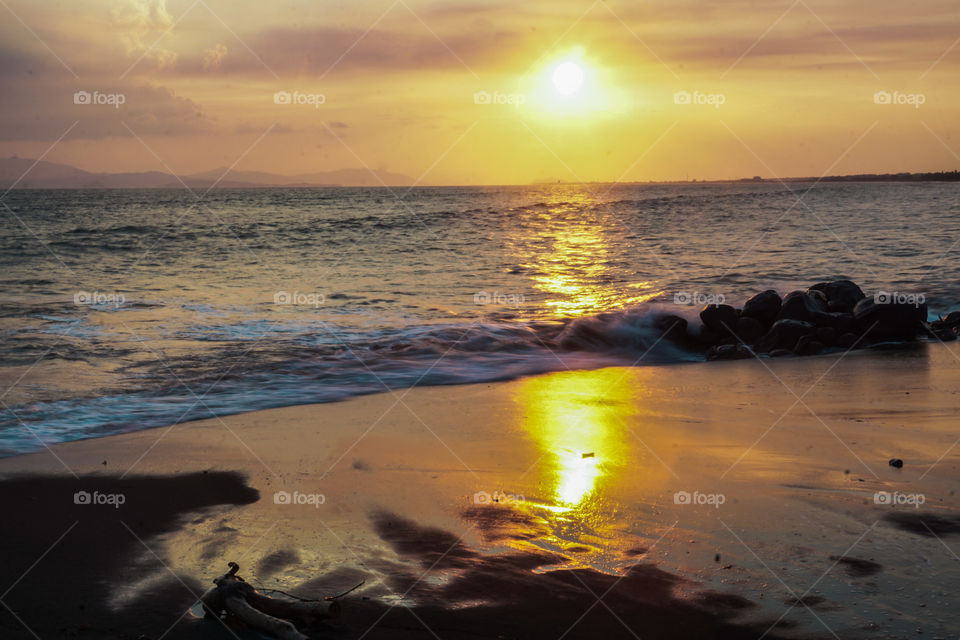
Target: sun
(567, 78)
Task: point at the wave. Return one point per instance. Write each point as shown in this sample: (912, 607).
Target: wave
(329, 364)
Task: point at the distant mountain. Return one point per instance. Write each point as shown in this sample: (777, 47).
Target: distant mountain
(50, 175)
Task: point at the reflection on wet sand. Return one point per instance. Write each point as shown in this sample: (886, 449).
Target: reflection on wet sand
(576, 420)
(583, 426)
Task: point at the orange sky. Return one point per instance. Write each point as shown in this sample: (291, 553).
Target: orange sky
(785, 88)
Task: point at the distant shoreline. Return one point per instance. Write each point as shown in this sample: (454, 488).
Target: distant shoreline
(937, 176)
(244, 186)
(25, 173)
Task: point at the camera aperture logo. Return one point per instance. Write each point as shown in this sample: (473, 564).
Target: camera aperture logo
(96, 498)
(97, 98)
(495, 297)
(497, 497)
(697, 498)
(297, 498)
(715, 100)
(898, 98)
(896, 297)
(299, 98)
(896, 498)
(697, 298)
(299, 298)
(94, 298)
(485, 97)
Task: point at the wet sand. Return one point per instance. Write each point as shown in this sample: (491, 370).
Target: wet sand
(548, 507)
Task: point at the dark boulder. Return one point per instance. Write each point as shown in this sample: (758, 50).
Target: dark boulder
(819, 295)
(673, 327)
(728, 352)
(940, 330)
(841, 295)
(826, 335)
(708, 338)
(749, 330)
(779, 353)
(720, 318)
(802, 306)
(952, 319)
(808, 346)
(889, 321)
(763, 307)
(839, 321)
(846, 340)
(784, 334)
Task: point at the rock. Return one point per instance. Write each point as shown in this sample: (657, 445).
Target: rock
(708, 338)
(728, 352)
(802, 306)
(763, 307)
(842, 322)
(819, 295)
(673, 327)
(784, 334)
(826, 335)
(749, 330)
(940, 330)
(779, 353)
(842, 295)
(808, 346)
(889, 321)
(952, 319)
(720, 318)
(846, 340)
(896, 462)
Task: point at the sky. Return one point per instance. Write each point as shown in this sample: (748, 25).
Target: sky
(469, 92)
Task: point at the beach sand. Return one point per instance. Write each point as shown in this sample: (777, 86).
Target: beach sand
(545, 507)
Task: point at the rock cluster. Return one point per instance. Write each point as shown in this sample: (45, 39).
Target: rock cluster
(827, 316)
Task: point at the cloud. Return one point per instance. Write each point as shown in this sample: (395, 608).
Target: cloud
(315, 50)
(902, 45)
(212, 58)
(44, 110)
(140, 25)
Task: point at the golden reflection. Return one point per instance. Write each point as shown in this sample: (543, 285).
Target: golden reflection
(577, 420)
(567, 247)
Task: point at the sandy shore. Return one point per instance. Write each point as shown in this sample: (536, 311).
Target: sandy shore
(588, 538)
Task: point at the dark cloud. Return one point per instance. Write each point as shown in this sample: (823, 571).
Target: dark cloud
(315, 50)
(42, 109)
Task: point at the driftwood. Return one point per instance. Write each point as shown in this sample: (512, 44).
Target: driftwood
(233, 595)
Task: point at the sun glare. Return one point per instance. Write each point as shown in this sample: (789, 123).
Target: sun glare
(572, 88)
(567, 78)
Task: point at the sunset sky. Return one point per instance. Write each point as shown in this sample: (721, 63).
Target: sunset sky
(787, 87)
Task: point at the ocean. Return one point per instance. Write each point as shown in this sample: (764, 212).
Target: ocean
(130, 309)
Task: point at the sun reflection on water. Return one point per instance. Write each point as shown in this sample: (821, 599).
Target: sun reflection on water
(568, 247)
